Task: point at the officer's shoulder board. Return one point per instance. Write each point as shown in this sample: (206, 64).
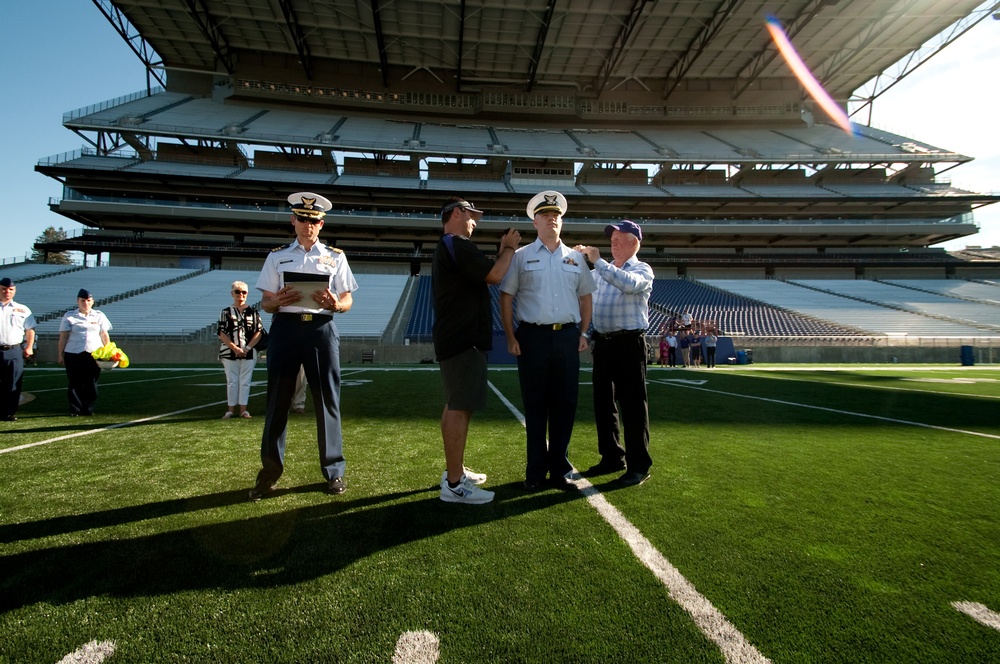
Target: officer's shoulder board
(284, 246)
(336, 250)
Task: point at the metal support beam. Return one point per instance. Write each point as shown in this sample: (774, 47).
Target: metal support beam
(383, 60)
(621, 42)
(139, 46)
(536, 55)
(864, 96)
(213, 33)
(697, 46)
(298, 38)
(461, 47)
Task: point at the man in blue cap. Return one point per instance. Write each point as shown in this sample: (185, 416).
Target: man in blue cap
(17, 340)
(304, 284)
(621, 316)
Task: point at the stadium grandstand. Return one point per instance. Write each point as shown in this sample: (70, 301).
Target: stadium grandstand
(759, 214)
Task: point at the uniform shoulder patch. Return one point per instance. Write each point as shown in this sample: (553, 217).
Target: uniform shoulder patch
(284, 246)
(336, 250)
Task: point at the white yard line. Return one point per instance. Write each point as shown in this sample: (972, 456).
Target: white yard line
(889, 387)
(979, 613)
(94, 652)
(834, 410)
(417, 648)
(734, 646)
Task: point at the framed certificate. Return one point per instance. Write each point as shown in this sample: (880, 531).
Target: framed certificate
(306, 284)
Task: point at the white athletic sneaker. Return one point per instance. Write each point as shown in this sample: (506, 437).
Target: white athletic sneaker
(465, 492)
(476, 478)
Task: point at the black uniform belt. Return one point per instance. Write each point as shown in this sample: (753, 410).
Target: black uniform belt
(550, 326)
(616, 333)
(305, 318)
(7, 347)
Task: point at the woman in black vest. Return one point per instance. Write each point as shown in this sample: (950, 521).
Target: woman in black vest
(240, 329)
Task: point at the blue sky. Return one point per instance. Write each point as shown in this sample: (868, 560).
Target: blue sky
(63, 55)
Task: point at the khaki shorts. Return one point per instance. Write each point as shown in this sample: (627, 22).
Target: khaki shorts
(464, 378)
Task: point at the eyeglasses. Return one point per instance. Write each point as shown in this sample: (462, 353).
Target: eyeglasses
(240, 292)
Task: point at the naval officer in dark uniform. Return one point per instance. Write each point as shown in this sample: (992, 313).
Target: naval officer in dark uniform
(303, 334)
(552, 288)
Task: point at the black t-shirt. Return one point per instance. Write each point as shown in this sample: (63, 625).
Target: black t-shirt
(462, 316)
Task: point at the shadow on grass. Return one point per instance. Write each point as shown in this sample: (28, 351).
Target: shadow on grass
(270, 550)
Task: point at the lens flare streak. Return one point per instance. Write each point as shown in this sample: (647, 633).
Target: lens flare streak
(806, 77)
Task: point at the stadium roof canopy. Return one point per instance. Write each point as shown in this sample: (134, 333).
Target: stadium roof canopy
(679, 114)
(664, 51)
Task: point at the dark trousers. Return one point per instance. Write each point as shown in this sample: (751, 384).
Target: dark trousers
(549, 372)
(672, 356)
(710, 356)
(11, 374)
(315, 346)
(83, 373)
(620, 398)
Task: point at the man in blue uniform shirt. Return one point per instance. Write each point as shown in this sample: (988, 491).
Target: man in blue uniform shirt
(553, 287)
(621, 316)
(303, 286)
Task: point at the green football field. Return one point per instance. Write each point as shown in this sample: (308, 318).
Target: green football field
(794, 514)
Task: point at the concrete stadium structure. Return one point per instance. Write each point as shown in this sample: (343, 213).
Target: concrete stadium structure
(678, 115)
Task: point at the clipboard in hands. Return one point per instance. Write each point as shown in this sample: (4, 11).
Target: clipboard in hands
(306, 284)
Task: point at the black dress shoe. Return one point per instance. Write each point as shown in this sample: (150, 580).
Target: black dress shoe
(531, 486)
(633, 479)
(563, 484)
(10, 418)
(604, 467)
(336, 486)
(262, 489)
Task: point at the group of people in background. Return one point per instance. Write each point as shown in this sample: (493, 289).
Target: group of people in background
(694, 346)
(81, 331)
(551, 296)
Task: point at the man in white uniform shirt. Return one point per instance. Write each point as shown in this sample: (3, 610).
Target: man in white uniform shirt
(552, 287)
(303, 334)
(17, 340)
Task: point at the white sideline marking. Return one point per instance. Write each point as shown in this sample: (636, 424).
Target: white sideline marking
(119, 425)
(979, 613)
(416, 648)
(153, 417)
(90, 653)
(840, 412)
(734, 646)
(123, 382)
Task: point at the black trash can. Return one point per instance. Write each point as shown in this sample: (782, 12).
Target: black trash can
(749, 352)
(967, 358)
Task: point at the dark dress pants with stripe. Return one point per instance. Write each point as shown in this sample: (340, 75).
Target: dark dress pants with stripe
(315, 346)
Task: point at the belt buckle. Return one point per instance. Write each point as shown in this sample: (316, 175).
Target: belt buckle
(305, 317)
(557, 326)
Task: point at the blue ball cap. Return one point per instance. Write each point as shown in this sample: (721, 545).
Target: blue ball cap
(625, 226)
